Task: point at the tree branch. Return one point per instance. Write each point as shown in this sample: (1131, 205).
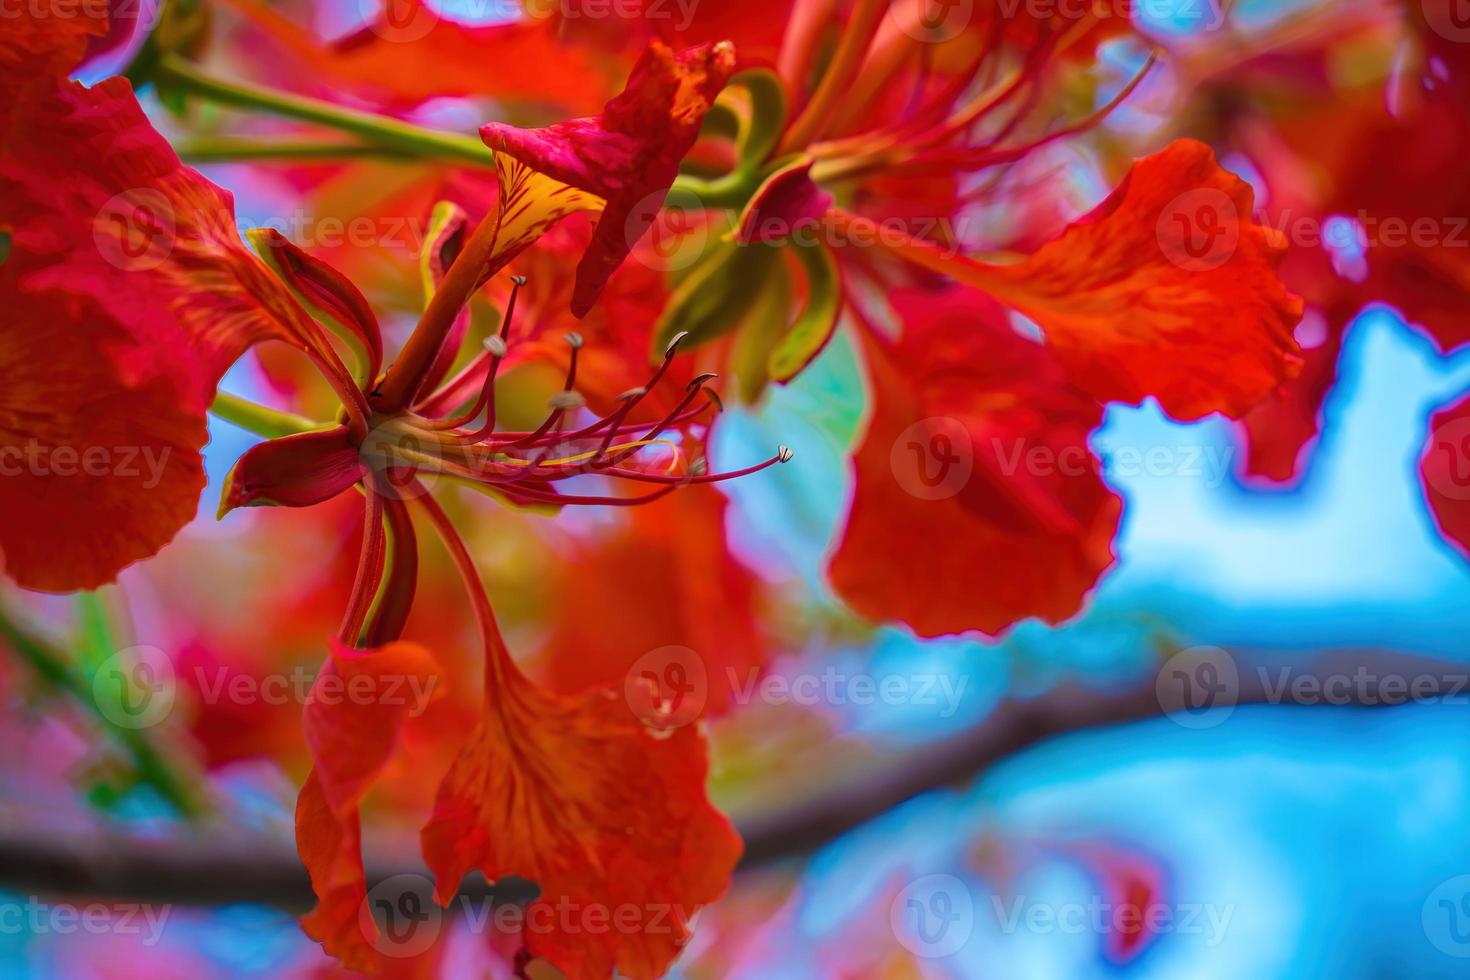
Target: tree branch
(223, 869)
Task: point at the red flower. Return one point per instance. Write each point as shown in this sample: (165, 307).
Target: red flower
(136, 293)
(409, 53)
(1388, 169)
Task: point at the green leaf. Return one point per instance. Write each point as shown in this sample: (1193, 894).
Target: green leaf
(818, 319)
(761, 129)
(5, 241)
(722, 121)
(761, 329)
(716, 293)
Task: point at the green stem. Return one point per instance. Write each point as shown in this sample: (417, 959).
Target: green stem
(229, 149)
(382, 131)
(730, 191)
(259, 419)
(59, 672)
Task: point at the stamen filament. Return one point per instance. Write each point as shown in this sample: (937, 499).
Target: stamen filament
(782, 456)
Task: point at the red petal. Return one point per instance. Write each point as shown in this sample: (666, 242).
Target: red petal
(120, 343)
(108, 476)
(47, 38)
(1133, 883)
(331, 848)
(629, 154)
(357, 707)
(1404, 183)
(978, 502)
(1445, 472)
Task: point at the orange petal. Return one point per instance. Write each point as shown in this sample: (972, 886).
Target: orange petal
(694, 607)
(353, 716)
(977, 502)
(47, 38)
(1168, 289)
(331, 848)
(607, 816)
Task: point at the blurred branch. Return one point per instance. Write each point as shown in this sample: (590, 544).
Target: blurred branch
(207, 870)
(240, 149)
(382, 131)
